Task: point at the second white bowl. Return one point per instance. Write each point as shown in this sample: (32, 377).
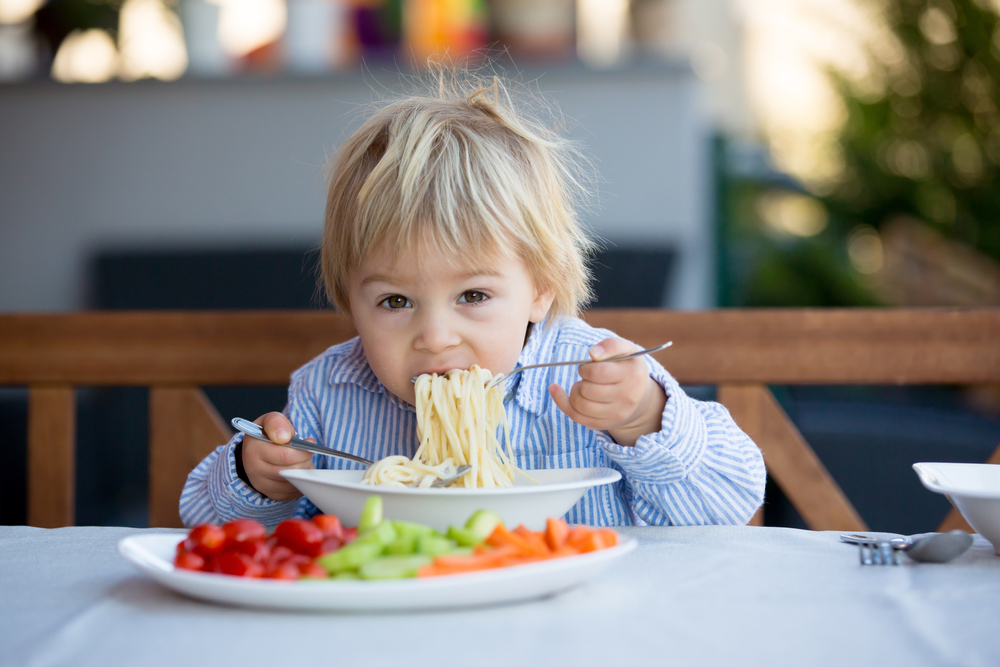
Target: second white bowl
(974, 488)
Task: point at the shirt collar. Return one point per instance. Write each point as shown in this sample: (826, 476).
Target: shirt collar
(354, 369)
(531, 388)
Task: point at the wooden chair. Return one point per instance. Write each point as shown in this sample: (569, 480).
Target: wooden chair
(739, 351)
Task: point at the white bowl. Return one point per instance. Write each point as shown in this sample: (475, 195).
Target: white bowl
(974, 488)
(341, 492)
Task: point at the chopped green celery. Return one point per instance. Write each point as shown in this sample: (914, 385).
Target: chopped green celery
(393, 567)
(371, 514)
(349, 557)
(463, 536)
(381, 534)
(482, 523)
(402, 545)
(434, 545)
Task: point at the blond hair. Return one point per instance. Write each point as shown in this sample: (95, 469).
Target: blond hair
(460, 165)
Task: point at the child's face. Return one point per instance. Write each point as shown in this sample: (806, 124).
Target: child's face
(421, 313)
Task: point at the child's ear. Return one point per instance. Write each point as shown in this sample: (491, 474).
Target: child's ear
(540, 306)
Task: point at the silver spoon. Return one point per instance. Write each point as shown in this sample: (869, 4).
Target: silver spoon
(500, 377)
(926, 547)
(254, 431)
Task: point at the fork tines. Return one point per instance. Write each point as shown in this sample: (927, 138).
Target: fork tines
(877, 553)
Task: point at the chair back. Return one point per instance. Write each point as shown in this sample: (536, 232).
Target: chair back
(741, 352)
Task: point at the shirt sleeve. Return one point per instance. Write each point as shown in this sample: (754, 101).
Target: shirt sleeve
(699, 469)
(214, 493)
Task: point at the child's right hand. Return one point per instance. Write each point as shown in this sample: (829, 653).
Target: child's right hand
(263, 460)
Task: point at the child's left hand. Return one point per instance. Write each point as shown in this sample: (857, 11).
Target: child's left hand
(619, 397)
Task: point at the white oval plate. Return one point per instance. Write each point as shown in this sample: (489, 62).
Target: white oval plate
(154, 553)
(341, 492)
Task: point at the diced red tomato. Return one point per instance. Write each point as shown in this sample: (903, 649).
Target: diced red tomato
(239, 565)
(243, 530)
(189, 561)
(330, 525)
(279, 554)
(283, 554)
(287, 571)
(314, 570)
(301, 536)
(257, 549)
(205, 540)
(350, 534)
(330, 544)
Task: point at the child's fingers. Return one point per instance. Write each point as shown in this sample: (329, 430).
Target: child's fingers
(597, 393)
(562, 402)
(276, 426)
(263, 463)
(611, 347)
(284, 457)
(582, 411)
(615, 371)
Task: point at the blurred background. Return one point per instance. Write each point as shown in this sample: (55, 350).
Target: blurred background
(169, 154)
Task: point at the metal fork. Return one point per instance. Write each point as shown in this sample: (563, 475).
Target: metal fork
(500, 377)
(877, 552)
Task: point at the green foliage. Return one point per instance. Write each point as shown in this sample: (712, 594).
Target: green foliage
(929, 145)
(921, 139)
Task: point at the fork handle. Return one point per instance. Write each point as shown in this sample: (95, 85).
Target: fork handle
(254, 431)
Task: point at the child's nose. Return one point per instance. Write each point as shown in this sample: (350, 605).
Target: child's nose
(436, 335)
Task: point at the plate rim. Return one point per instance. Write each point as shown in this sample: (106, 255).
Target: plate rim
(609, 476)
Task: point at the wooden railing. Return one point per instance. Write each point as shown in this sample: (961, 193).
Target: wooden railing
(739, 351)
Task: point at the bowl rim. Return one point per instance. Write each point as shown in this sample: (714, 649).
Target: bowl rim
(925, 471)
(598, 477)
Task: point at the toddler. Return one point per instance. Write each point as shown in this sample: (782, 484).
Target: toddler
(451, 238)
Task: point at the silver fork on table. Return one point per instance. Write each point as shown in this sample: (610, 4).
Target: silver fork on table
(877, 552)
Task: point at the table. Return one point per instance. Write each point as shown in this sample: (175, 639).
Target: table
(717, 595)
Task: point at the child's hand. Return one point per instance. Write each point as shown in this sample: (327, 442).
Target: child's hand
(617, 397)
(263, 460)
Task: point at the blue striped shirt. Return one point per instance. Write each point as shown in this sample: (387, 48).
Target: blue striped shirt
(700, 468)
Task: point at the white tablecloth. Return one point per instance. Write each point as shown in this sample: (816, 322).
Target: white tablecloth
(686, 596)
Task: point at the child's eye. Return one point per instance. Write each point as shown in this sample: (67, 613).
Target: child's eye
(395, 302)
(472, 296)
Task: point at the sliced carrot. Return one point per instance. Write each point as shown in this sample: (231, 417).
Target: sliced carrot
(610, 536)
(501, 536)
(598, 539)
(536, 540)
(504, 548)
(577, 536)
(556, 533)
(565, 551)
(585, 538)
(483, 558)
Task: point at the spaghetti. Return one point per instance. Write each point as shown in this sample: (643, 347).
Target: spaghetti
(457, 421)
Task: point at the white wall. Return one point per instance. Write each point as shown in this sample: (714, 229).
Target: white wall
(239, 163)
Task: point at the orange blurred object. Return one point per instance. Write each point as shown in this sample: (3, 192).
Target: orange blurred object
(455, 28)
